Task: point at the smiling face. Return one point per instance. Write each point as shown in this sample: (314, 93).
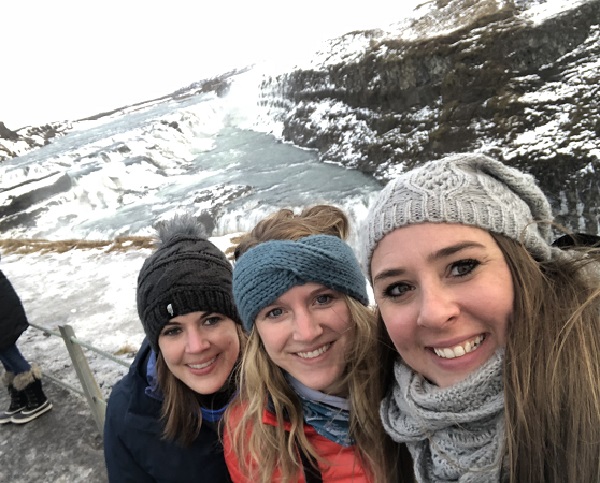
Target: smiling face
(200, 349)
(307, 332)
(445, 294)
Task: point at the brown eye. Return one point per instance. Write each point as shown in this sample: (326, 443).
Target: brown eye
(171, 331)
(211, 320)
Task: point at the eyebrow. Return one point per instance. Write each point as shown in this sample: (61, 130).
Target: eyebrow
(452, 249)
(312, 293)
(432, 257)
(203, 315)
(172, 323)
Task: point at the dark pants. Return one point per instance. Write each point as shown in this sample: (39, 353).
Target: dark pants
(13, 360)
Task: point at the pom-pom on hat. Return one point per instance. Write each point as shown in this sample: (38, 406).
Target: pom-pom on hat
(186, 273)
(470, 189)
(268, 270)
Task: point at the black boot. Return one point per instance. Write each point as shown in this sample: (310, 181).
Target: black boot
(18, 400)
(37, 403)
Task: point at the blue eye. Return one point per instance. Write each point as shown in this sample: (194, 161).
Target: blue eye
(323, 299)
(397, 289)
(274, 313)
(463, 268)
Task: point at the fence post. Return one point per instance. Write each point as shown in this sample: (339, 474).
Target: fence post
(88, 382)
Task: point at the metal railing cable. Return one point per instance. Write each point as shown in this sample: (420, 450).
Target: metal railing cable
(91, 390)
(108, 355)
(45, 330)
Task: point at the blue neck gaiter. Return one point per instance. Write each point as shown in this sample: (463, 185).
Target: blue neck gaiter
(329, 415)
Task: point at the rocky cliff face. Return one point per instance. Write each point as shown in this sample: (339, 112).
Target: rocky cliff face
(518, 80)
(16, 143)
(510, 79)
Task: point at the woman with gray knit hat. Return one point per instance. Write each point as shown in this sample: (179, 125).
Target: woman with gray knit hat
(498, 332)
(311, 366)
(162, 418)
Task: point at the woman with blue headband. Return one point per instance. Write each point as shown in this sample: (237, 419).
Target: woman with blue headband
(311, 374)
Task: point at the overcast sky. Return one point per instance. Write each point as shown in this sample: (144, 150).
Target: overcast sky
(66, 59)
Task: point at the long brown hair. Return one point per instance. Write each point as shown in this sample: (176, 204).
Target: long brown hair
(262, 382)
(180, 410)
(552, 368)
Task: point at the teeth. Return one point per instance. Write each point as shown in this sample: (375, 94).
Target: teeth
(460, 350)
(202, 366)
(315, 353)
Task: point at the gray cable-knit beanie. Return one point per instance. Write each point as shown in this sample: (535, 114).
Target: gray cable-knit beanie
(470, 189)
(186, 273)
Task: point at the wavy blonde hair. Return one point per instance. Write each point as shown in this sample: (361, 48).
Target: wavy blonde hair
(261, 448)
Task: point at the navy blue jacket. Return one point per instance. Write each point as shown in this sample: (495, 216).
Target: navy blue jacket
(13, 321)
(133, 448)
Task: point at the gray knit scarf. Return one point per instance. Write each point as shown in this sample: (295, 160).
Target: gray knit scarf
(454, 433)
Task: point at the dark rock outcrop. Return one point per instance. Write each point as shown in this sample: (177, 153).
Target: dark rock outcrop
(502, 82)
(19, 142)
(15, 203)
(7, 134)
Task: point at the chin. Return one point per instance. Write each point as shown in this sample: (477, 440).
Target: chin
(205, 390)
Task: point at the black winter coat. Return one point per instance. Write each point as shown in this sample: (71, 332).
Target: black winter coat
(13, 321)
(133, 449)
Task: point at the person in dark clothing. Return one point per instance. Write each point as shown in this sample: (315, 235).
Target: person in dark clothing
(162, 418)
(23, 380)
(134, 448)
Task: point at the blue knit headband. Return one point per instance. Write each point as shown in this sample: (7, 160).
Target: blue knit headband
(267, 271)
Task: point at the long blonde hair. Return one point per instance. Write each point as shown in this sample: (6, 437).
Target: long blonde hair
(262, 448)
(552, 368)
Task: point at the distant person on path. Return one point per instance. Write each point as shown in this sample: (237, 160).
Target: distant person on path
(23, 380)
(162, 418)
(497, 331)
(311, 378)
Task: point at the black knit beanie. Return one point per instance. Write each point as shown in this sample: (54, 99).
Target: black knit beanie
(186, 273)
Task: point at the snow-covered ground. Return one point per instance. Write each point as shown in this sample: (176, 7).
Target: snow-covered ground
(93, 291)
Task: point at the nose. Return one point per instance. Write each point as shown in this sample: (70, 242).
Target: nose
(306, 326)
(437, 308)
(196, 341)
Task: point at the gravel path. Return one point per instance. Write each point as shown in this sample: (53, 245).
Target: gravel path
(61, 446)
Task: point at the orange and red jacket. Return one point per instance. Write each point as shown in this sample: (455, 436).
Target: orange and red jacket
(340, 464)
